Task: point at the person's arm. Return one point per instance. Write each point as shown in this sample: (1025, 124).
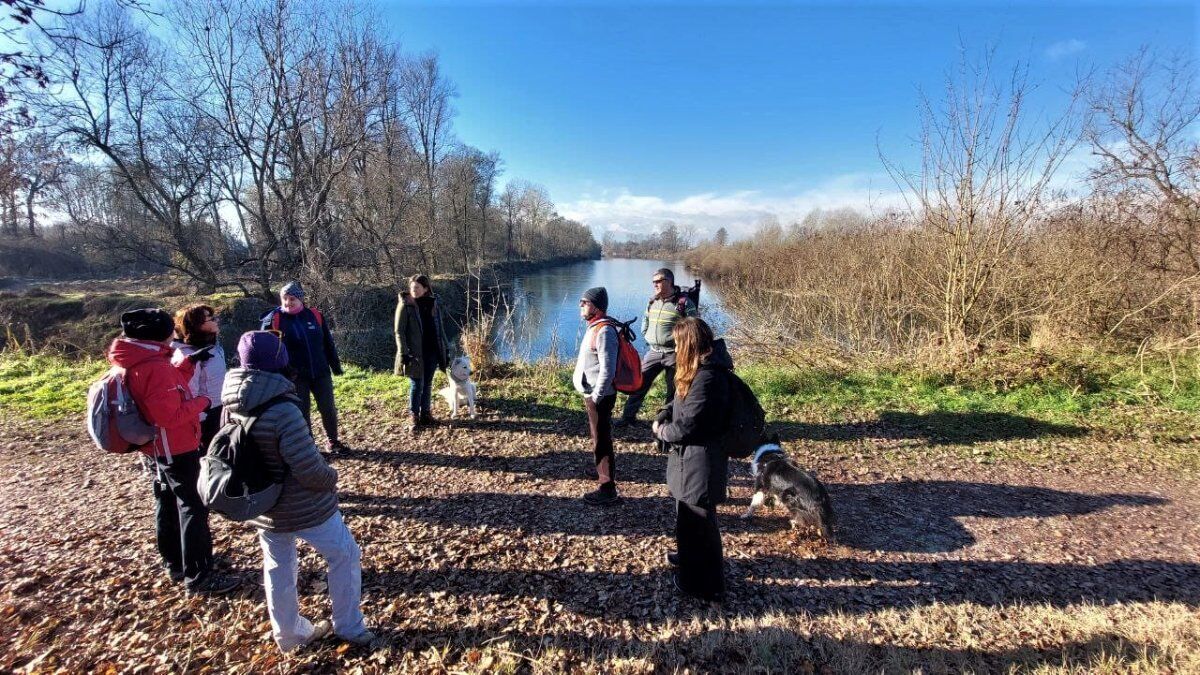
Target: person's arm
(267, 320)
(646, 319)
(689, 308)
(606, 353)
(298, 450)
(699, 413)
(331, 353)
(402, 319)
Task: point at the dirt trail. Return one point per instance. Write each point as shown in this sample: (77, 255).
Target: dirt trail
(473, 534)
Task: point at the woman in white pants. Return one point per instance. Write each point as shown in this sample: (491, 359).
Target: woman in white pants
(307, 508)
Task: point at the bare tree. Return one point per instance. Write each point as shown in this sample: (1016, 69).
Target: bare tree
(984, 179)
(426, 95)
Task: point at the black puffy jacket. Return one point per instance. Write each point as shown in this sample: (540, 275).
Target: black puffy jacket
(697, 466)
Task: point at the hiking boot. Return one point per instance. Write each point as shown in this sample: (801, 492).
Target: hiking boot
(627, 422)
(602, 496)
(335, 446)
(414, 423)
(427, 418)
(672, 558)
(321, 629)
(363, 638)
(213, 583)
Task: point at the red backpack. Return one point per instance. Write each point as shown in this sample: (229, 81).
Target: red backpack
(275, 318)
(629, 363)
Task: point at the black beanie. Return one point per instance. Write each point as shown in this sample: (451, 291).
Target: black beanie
(598, 296)
(151, 323)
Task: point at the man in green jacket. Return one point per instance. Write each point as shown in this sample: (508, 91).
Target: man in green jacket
(666, 308)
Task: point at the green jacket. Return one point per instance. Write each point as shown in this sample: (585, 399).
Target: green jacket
(407, 326)
(660, 318)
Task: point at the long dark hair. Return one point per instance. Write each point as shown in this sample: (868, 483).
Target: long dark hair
(423, 280)
(693, 342)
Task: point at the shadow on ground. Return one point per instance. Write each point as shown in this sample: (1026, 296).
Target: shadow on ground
(935, 428)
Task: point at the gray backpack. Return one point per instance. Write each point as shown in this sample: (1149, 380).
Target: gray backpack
(113, 419)
(234, 480)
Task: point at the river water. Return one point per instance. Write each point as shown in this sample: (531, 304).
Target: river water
(539, 315)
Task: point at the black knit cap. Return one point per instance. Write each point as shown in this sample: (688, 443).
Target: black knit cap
(150, 323)
(598, 296)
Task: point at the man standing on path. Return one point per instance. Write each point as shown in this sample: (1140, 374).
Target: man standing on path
(668, 306)
(595, 369)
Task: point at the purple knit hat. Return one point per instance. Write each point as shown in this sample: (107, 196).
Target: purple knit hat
(262, 350)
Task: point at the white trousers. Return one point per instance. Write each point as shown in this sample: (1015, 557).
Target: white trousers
(332, 539)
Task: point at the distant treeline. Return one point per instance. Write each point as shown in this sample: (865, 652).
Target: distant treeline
(238, 144)
(987, 251)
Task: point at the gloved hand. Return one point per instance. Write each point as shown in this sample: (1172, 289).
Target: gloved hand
(201, 355)
(664, 415)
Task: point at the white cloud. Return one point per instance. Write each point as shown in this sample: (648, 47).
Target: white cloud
(623, 212)
(1065, 48)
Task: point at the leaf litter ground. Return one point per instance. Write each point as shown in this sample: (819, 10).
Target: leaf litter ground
(479, 556)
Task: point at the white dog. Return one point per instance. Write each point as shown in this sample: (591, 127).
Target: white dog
(461, 390)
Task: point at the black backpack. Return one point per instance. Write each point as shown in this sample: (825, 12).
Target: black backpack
(234, 480)
(747, 421)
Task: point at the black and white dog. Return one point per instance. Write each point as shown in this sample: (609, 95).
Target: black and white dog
(778, 478)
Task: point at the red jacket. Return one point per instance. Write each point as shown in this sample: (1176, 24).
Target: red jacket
(161, 393)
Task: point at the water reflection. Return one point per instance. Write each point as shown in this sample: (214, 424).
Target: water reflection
(539, 315)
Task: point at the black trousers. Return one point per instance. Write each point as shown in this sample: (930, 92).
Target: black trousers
(698, 542)
(321, 389)
(600, 427)
(654, 363)
(181, 519)
(209, 426)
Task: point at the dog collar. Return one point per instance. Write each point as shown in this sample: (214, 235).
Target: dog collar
(763, 450)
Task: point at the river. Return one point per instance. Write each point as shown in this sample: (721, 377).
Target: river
(539, 315)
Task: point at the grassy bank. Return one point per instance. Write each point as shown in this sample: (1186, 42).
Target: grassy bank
(1103, 393)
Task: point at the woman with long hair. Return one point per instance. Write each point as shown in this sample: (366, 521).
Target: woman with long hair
(196, 331)
(420, 346)
(697, 466)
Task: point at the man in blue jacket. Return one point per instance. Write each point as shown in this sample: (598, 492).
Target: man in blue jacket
(312, 355)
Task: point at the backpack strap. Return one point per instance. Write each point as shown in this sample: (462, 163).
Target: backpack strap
(317, 313)
(599, 326)
(275, 319)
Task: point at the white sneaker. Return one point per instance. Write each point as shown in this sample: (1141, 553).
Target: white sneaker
(362, 639)
(321, 630)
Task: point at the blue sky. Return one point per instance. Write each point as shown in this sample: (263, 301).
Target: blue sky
(632, 113)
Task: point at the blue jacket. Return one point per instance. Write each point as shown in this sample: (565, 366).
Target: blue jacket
(309, 343)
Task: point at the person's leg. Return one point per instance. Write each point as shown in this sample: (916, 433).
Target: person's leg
(698, 538)
(304, 391)
(323, 390)
(166, 521)
(429, 366)
(600, 427)
(670, 376)
(333, 541)
(414, 396)
(279, 578)
(195, 536)
(651, 367)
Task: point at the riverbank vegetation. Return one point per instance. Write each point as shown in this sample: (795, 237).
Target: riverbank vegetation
(993, 247)
(179, 143)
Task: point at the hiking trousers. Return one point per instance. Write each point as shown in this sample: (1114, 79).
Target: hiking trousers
(653, 364)
(698, 542)
(321, 389)
(332, 539)
(181, 519)
(600, 426)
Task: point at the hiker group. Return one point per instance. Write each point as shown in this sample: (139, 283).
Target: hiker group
(239, 441)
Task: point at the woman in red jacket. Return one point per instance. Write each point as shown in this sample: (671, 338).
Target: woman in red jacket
(164, 400)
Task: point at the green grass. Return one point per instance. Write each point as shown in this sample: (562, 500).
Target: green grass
(1116, 393)
(46, 387)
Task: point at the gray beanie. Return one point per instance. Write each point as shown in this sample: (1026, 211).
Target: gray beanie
(598, 296)
(294, 289)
